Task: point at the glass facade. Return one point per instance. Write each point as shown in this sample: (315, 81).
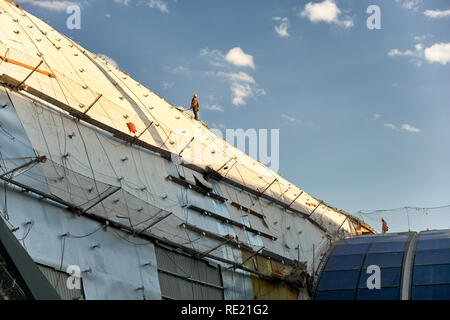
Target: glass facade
(431, 272)
(346, 272)
(345, 275)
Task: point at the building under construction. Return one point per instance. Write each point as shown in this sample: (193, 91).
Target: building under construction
(101, 175)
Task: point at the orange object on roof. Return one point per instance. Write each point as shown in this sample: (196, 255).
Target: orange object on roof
(131, 127)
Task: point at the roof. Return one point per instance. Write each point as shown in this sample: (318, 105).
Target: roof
(64, 73)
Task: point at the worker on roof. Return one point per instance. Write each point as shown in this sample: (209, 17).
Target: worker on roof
(194, 105)
(384, 226)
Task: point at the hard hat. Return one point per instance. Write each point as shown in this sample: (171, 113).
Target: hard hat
(195, 95)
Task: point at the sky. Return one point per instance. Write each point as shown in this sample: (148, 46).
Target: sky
(363, 113)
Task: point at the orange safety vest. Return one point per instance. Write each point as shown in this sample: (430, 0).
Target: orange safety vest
(194, 104)
(384, 226)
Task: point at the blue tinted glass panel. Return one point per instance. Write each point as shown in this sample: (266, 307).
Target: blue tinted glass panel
(387, 246)
(344, 262)
(433, 244)
(378, 294)
(348, 249)
(390, 277)
(356, 240)
(389, 238)
(438, 292)
(434, 235)
(338, 280)
(441, 256)
(437, 274)
(335, 295)
(383, 260)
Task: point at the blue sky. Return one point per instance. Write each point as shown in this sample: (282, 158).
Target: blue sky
(363, 114)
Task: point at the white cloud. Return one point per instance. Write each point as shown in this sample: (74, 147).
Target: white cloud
(235, 56)
(216, 58)
(52, 5)
(437, 13)
(179, 69)
(405, 127)
(391, 126)
(167, 85)
(125, 2)
(416, 55)
(213, 107)
(396, 52)
(439, 52)
(423, 37)
(236, 76)
(410, 4)
(108, 15)
(288, 118)
(241, 91)
(158, 4)
(108, 59)
(410, 128)
(326, 11)
(242, 85)
(283, 26)
(239, 58)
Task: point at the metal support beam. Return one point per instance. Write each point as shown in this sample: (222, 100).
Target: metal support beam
(290, 204)
(213, 249)
(320, 203)
(223, 166)
(40, 159)
(154, 223)
(23, 81)
(253, 254)
(269, 186)
(138, 136)
(186, 146)
(92, 104)
(102, 199)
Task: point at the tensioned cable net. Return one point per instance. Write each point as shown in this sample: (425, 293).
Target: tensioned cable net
(408, 218)
(87, 84)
